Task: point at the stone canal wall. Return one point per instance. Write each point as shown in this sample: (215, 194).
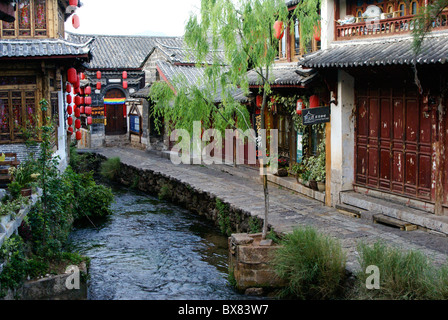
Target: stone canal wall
(227, 217)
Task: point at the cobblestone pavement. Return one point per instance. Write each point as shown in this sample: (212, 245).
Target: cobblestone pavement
(288, 210)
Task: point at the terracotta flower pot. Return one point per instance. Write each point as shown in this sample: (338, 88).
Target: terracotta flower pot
(321, 186)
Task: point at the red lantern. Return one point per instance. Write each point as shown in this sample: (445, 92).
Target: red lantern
(75, 21)
(98, 74)
(69, 121)
(88, 90)
(81, 109)
(68, 88)
(78, 135)
(77, 113)
(317, 32)
(98, 85)
(77, 100)
(69, 110)
(81, 91)
(77, 124)
(88, 100)
(278, 27)
(259, 100)
(72, 76)
(125, 75)
(73, 3)
(299, 106)
(88, 111)
(70, 130)
(89, 120)
(77, 84)
(82, 76)
(69, 99)
(125, 84)
(314, 101)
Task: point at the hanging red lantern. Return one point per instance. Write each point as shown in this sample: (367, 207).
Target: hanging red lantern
(72, 76)
(77, 124)
(88, 90)
(75, 21)
(125, 84)
(98, 74)
(77, 84)
(77, 100)
(77, 113)
(299, 106)
(83, 76)
(89, 120)
(278, 27)
(88, 100)
(314, 101)
(78, 135)
(69, 121)
(70, 130)
(98, 85)
(69, 110)
(69, 98)
(82, 109)
(68, 88)
(259, 100)
(317, 32)
(73, 3)
(88, 110)
(125, 75)
(81, 91)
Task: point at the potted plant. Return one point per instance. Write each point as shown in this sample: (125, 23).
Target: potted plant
(296, 170)
(317, 168)
(23, 178)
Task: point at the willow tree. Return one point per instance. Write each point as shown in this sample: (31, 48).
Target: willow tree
(243, 35)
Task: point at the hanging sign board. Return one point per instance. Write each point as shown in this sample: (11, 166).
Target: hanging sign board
(134, 123)
(316, 115)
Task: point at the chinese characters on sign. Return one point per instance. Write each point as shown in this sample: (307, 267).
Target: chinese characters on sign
(316, 115)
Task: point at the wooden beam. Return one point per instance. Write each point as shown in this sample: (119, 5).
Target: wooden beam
(328, 163)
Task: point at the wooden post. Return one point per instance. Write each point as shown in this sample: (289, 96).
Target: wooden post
(328, 164)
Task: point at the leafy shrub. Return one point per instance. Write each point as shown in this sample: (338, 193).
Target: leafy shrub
(165, 192)
(312, 264)
(110, 168)
(223, 218)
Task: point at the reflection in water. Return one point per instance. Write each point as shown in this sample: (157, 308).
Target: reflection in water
(150, 249)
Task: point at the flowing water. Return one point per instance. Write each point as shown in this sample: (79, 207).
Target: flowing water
(151, 249)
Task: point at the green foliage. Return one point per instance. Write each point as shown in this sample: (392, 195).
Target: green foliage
(110, 168)
(165, 192)
(223, 218)
(312, 264)
(316, 165)
(12, 253)
(13, 206)
(307, 12)
(404, 275)
(254, 225)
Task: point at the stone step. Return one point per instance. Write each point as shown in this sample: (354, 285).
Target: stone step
(396, 211)
(355, 211)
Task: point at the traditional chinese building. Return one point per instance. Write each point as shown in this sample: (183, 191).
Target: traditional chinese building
(34, 59)
(389, 120)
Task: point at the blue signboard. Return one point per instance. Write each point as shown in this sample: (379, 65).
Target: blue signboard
(134, 121)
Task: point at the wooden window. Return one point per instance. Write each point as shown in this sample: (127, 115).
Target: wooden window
(296, 37)
(40, 18)
(31, 20)
(414, 7)
(402, 9)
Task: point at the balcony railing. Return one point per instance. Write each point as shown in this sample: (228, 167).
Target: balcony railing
(383, 27)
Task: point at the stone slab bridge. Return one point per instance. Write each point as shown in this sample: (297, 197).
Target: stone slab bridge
(240, 188)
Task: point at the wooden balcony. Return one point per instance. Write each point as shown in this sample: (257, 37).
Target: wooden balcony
(383, 27)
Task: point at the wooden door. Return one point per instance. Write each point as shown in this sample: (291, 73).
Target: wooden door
(115, 115)
(393, 142)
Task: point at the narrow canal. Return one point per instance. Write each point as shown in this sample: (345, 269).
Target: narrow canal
(151, 249)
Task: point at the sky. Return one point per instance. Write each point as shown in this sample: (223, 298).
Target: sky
(134, 17)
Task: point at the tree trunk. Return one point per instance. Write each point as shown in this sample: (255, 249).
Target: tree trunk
(264, 169)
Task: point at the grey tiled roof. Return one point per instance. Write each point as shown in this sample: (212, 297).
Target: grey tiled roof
(180, 53)
(122, 52)
(42, 48)
(392, 51)
(193, 76)
(283, 74)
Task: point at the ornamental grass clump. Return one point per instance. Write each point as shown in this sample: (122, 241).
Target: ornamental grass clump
(403, 275)
(110, 168)
(312, 264)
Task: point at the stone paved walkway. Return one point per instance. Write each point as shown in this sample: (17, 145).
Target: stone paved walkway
(288, 209)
